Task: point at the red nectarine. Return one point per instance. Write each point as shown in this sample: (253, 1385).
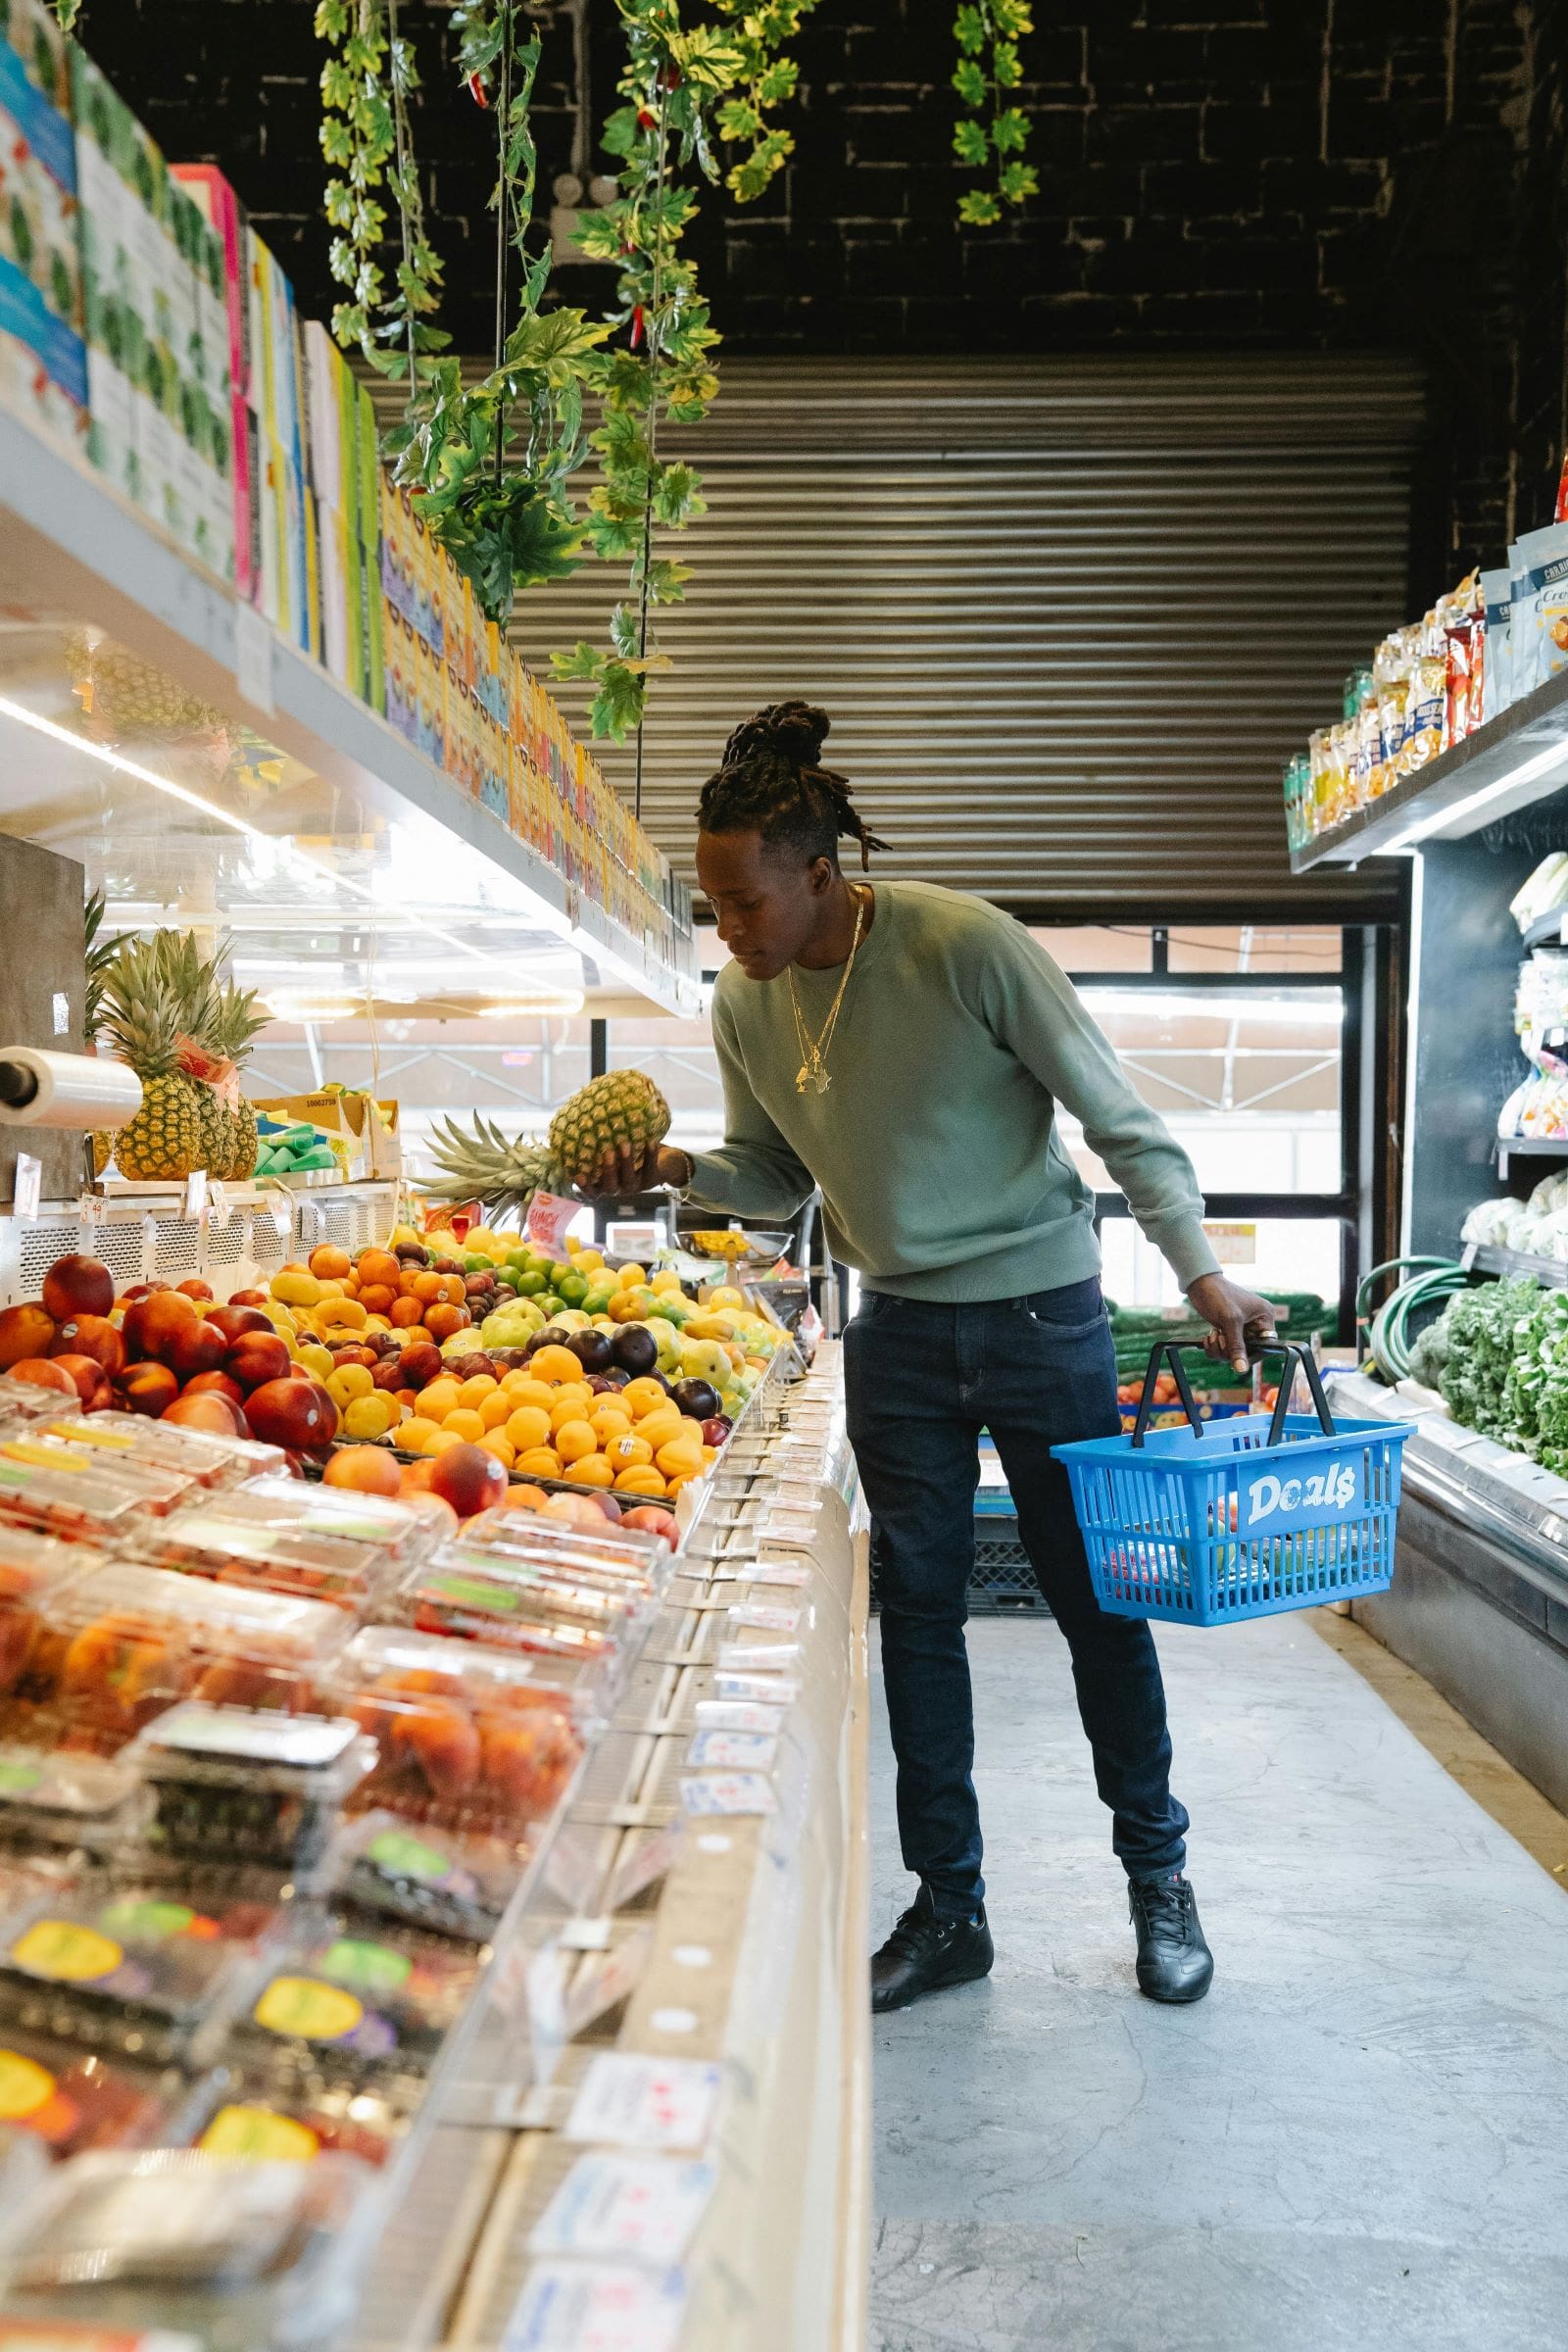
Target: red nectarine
(469, 1479)
(24, 1330)
(94, 1336)
(78, 1286)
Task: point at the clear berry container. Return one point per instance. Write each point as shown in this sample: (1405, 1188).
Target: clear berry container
(127, 1971)
(629, 1554)
(356, 1999)
(260, 2122)
(114, 1646)
(469, 1736)
(72, 2099)
(160, 1486)
(212, 1461)
(218, 1542)
(451, 1882)
(63, 1803)
(246, 1785)
(474, 1600)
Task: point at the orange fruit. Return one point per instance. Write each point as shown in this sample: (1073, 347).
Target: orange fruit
(523, 1389)
(474, 1391)
(608, 1421)
(330, 1264)
(630, 1452)
(574, 1391)
(442, 1321)
(555, 1364)
(377, 1299)
(574, 1439)
(680, 1459)
(403, 1313)
(441, 1440)
(673, 1486)
(590, 1470)
(527, 1498)
(566, 1407)
(426, 1287)
(413, 1436)
(538, 1462)
(467, 1425)
(417, 1477)
(379, 1266)
(644, 1396)
(495, 1410)
(660, 1428)
(494, 1443)
(643, 1480)
(439, 1398)
(528, 1426)
(365, 1468)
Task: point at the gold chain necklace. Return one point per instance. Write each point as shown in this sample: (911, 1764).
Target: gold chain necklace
(813, 1072)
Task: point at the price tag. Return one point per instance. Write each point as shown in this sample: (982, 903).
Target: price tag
(631, 2102)
(195, 1191)
(764, 1617)
(255, 658)
(546, 2008)
(727, 1793)
(737, 1715)
(576, 2307)
(638, 2208)
(774, 1572)
(773, 1689)
(283, 1220)
(548, 1219)
(26, 1185)
(742, 1657)
(649, 1859)
(92, 1209)
(732, 1751)
(603, 1980)
(220, 1204)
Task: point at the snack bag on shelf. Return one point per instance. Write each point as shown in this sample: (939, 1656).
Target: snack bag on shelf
(469, 1736)
(1428, 695)
(1496, 673)
(1544, 556)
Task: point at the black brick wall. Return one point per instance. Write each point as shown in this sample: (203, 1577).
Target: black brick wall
(1289, 174)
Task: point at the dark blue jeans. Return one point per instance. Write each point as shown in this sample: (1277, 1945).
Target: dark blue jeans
(922, 1381)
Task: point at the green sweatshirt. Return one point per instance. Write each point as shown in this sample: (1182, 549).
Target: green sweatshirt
(942, 1172)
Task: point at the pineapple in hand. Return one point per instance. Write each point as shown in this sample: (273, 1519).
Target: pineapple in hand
(621, 1108)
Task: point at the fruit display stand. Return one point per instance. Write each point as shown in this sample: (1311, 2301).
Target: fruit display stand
(143, 1233)
(684, 1985)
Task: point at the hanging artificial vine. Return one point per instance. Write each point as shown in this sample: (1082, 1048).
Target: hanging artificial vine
(365, 87)
(682, 90)
(987, 33)
(490, 463)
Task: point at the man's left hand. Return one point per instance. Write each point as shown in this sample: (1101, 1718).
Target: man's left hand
(1239, 1320)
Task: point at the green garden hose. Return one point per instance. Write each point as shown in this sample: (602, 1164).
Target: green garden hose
(1388, 1331)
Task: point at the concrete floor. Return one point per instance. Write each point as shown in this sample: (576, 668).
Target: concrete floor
(1357, 2144)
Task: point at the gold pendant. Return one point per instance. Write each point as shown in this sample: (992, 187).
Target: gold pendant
(815, 1081)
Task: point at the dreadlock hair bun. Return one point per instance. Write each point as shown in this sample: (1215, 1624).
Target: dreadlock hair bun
(772, 782)
(795, 730)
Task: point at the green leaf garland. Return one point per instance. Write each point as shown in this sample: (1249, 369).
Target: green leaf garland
(992, 129)
(367, 83)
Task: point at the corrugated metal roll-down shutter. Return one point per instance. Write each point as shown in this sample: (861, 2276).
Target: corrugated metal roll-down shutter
(1068, 615)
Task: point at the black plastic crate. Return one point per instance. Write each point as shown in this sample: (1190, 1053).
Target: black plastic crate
(1003, 1584)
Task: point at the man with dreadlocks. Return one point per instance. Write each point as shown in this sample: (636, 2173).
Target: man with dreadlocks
(904, 1049)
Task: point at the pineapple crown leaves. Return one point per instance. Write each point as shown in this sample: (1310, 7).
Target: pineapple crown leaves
(140, 1016)
(100, 953)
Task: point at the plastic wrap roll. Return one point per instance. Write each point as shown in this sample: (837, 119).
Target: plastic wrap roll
(69, 1089)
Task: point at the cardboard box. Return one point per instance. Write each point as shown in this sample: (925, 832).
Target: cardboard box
(43, 365)
(368, 1130)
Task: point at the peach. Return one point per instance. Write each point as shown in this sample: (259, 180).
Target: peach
(421, 1361)
(328, 1263)
(469, 1479)
(214, 1384)
(92, 1381)
(151, 1323)
(442, 1739)
(256, 1357)
(194, 1347)
(380, 1268)
(24, 1330)
(403, 1313)
(193, 1286)
(210, 1412)
(442, 1321)
(292, 1412)
(148, 1388)
(235, 1320)
(45, 1372)
(94, 1336)
(78, 1286)
(365, 1468)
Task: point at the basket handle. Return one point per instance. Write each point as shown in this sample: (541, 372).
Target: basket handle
(1295, 1355)
(1146, 1402)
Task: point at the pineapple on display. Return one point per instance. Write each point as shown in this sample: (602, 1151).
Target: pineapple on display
(141, 1017)
(235, 1023)
(191, 985)
(623, 1108)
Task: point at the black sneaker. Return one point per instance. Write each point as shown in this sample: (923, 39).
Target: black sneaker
(927, 1954)
(1174, 1963)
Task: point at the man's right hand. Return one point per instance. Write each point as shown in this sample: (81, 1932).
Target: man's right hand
(621, 1175)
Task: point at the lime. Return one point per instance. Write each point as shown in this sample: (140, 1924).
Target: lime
(573, 1289)
(529, 1285)
(475, 1261)
(520, 1260)
(597, 1302)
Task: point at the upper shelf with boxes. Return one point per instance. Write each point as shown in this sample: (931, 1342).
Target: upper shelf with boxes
(216, 593)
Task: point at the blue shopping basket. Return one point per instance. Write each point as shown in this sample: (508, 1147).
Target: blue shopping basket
(1238, 1518)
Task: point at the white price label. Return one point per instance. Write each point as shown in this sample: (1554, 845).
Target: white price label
(571, 2307)
(764, 1617)
(737, 1715)
(727, 1793)
(632, 2102)
(27, 1184)
(220, 1204)
(773, 1689)
(741, 1657)
(195, 1191)
(650, 1859)
(637, 2208)
(732, 1751)
(282, 1219)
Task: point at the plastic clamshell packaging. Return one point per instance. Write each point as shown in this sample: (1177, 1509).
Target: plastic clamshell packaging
(392, 1528)
(217, 1542)
(115, 1647)
(450, 1882)
(631, 1551)
(75, 1501)
(71, 2100)
(23, 1403)
(248, 1785)
(625, 1587)
(32, 1565)
(574, 1595)
(238, 2255)
(360, 2000)
(131, 1972)
(157, 1486)
(468, 1735)
(489, 1606)
(67, 1801)
(214, 1462)
(259, 2122)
